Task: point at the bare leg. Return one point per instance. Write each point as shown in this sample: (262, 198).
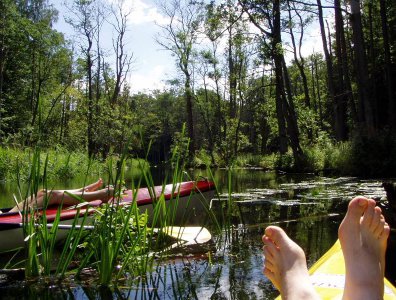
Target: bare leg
(87, 193)
(89, 188)
(285, 265)
(58, 197)
(363, 234)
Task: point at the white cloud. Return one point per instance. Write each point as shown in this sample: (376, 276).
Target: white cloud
(142, 11)
(148, 81)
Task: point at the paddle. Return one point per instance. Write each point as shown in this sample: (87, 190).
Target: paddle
(186, 236)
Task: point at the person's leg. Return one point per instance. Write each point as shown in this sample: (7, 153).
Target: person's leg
(33, 201)
(57, 196)
(285, 265)
(363, 234)
(89, 188)
(67, 198)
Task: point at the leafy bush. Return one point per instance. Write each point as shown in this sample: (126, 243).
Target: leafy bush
(202, 159)
(338, 158)
(285, 162)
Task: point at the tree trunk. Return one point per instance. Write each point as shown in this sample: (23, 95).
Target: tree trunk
(90, 99)
(233, 78)
(279, 90)
(190, 120)
(365, 110)
(318, 94)
(341, 98)
(291, 117)
(340, 32)
(2, 62)
(329, 65)
(388, 67)
(300, 62)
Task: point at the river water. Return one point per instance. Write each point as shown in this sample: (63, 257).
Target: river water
(307, 206)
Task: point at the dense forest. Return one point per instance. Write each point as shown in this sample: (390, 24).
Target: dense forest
(244, 88)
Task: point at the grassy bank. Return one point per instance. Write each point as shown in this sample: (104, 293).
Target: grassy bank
(15, 164)
(362, 156)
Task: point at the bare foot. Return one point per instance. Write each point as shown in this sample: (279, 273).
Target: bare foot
(93, 186)
(363, 234)
(285, 265)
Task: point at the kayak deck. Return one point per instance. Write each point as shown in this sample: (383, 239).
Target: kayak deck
(178, 195)
(328, 275)
(142, 196)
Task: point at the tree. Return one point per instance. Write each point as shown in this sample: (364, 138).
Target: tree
(179, 37)
(123, 59)
(34, 69)
(388, 66)
(267, 18)
(365, 109)
(87, 21)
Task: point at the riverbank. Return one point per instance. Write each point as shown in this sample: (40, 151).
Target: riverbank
(369, 157)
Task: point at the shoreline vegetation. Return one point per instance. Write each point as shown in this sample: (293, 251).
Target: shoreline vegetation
(374, 157)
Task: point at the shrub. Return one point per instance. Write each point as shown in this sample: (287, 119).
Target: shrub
(201, 159)
(285, 161)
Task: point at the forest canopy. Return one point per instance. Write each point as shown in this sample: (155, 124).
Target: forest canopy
(244, 86)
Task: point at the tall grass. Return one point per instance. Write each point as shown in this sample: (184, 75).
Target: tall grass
(123, 240)
(40, 236)
(62, 165)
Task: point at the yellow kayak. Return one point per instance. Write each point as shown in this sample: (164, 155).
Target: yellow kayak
(328, 275)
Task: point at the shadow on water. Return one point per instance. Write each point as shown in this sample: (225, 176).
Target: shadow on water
(308, 207)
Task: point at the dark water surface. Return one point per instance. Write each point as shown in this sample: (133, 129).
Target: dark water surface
(308, 207)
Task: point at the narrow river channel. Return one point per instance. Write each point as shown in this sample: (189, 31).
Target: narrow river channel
(307, 206)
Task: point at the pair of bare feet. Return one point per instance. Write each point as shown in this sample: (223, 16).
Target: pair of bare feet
(363, 236)
(68, 197)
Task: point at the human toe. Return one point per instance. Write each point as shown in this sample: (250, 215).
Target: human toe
(377, 222)
(356, 207)
(269, 264)
(380, 228)
(369, 214)
(270, 248)
(385, 232)
(277, 235)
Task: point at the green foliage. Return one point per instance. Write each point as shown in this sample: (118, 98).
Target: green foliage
(202, 159)
(255, 160)
(62, 165)
(374, 155)
(285, 162)
(339, 158)
(180, 147)
(235, 141)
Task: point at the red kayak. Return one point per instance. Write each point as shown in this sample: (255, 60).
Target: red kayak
(185, 197)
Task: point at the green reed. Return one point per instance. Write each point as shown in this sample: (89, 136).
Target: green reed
(40, 236)
(123, 240)
(119, 235)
